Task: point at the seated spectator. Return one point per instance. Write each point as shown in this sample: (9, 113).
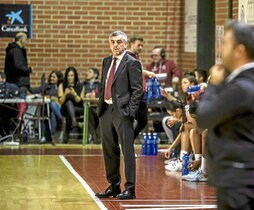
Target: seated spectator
(71, 94)
(198, 139)
(50, 89)
(91, 85)
(184, 135)
(172, 123)
(161, 65)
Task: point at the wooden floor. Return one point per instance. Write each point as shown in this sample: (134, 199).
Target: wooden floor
(66, 177)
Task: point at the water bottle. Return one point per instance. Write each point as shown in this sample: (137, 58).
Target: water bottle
(149, 92)
(148, 144)
(144, 142)
(156, 89)
(154, 145)
(193, 89)
(185, 169)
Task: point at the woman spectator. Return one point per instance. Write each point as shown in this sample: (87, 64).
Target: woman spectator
(50, 88)
(71, 94)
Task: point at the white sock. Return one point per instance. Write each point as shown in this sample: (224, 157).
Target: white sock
(198, 156)
(182, 152)
(203, 165)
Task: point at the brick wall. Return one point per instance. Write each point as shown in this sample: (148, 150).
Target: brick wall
(75, 32)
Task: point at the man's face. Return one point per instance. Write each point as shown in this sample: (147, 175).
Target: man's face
(137, 46)
(24, 41)
(227, 50)
(156, 55)
(117, 45)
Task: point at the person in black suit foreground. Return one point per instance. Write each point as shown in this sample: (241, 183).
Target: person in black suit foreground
(227, 110)
(119, 98)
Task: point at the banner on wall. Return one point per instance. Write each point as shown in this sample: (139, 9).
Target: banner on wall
(190, 26)
(246, 11)
(15, 18)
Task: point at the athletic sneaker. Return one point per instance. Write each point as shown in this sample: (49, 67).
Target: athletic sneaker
(169, 160)
(174, 165)
(190, 175)
(199, 177)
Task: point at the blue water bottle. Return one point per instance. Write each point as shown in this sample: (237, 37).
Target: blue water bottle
(152, 144)
(148, 144)
(185, 169)
(155, 144)
(144, 142)
(193, 89)
(156, 89)
(149, 90)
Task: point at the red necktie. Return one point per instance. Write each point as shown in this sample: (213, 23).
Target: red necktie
(107, 94)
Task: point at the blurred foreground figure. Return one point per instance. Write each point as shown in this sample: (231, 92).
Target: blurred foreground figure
(227, 110)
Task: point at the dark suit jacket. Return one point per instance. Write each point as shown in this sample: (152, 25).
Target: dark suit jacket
(228, 113)
(126, 88)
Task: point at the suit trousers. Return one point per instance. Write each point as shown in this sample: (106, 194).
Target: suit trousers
(115, 129)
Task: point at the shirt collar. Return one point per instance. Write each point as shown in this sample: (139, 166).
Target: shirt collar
(119, 57)
(242, 68)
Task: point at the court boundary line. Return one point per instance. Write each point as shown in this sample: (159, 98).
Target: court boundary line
(183, 208)
(83, 183)
(173, 206)
(67, 155)
(142, 200)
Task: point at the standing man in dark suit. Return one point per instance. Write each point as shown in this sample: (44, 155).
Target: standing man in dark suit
(119, 98)
(227, 110)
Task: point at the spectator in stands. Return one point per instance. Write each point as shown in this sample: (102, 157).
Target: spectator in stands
(71, 94)
(136, 45)
(161, 65)
(50, 88)
(226, 109)
(16, 67)
(91, 85)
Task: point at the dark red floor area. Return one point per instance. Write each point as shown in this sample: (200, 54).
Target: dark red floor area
(155, 188)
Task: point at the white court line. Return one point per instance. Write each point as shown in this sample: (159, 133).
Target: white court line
(185, 207)
(87, 155)
(175, 205)
(145, 200)
(82, 181)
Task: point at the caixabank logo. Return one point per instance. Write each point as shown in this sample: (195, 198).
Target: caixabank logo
(15, 18)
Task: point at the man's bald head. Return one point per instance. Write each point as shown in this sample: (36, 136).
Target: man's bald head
(21, 39)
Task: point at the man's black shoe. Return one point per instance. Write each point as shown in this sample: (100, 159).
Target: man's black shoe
(127, 194)
(110, 191)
